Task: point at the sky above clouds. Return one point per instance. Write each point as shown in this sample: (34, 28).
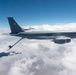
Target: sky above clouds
(38, 12)
(38, 57)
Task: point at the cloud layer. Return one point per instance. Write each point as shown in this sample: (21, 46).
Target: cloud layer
(39, 57)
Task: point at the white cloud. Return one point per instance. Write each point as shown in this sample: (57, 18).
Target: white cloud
(57, 27)
(39, 57)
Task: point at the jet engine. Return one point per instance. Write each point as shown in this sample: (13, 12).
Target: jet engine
(61, 41)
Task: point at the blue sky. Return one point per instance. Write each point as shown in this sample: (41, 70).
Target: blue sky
(37, 12)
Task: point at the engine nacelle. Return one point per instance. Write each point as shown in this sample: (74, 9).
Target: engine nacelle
(61, 41)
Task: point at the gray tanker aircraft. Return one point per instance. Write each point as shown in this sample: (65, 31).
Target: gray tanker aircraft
(16, 30)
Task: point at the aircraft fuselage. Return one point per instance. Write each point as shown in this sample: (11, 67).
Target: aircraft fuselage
(45, 35)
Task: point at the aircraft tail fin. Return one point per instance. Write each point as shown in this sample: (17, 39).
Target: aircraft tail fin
(15, 28)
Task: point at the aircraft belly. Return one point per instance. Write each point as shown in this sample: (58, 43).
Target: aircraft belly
(47, 35)
(37, 36)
